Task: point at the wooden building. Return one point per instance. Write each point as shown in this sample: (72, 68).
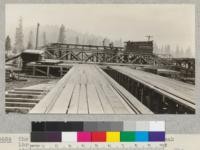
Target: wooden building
(31, 55)
(140, 47)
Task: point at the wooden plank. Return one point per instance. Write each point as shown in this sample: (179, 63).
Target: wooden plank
(73, 108)
(99, 82)
(17, 109)
(107, 107)
(62, 102)
(84, 89)
(25, 92)
(41, 87)
(94, 104)
(41, 71)
(21, 96)
(19, 104)
(49, 100)
(123, 102)
(119, 103)
(139, 107)
(181, 89)
(22, 100)
(116, 104)
(83, 105)
(23, 89)
(178, 91)
(115, 92)
(117, 100)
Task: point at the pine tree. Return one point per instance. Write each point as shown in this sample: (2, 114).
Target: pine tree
(188, 53)
(167, 49)
(61, 36)
(155, 48)
(177, 52)
(181, 53)
(77, 40)
(30, 41)
(44, 39)
(161, 50)
(8, 44)
(19, 36)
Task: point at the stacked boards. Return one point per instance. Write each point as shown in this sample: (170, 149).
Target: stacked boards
(86, 89)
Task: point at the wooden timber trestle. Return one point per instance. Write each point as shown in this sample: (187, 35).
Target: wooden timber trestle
(93, 53)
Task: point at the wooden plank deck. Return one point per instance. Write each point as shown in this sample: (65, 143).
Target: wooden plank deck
(21, 100)
(177, 90)
(86, 89)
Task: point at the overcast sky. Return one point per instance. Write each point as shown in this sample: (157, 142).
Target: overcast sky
(169, 24)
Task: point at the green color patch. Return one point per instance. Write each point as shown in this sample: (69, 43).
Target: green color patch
(127, 136)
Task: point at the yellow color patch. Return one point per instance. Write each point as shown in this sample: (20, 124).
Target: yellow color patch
(112, 136)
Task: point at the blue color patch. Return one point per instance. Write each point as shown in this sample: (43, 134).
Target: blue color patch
(141, 136)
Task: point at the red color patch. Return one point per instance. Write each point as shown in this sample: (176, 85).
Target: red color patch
(98, 136)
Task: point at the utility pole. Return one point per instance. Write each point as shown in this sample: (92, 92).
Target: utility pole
(148, 37)
(37, 36)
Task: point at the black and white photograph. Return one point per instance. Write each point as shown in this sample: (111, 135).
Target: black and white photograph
(100, 59)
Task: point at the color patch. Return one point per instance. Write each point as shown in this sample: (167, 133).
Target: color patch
(157, 126)
(74, 126)
(103, 126)
(116, 126)
(38, 126)
(69, 136)
(112, 136)
(141, 136)
(98, 136)
(90, 126)
(38, 137)
(142, 126)
(156, 136)
(129, 126)
(127, 136)
(53, 136)
(84, 137)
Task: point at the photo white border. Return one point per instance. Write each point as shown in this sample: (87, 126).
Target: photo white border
(18, 123)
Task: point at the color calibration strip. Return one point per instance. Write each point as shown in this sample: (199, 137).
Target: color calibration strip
(140, 131)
